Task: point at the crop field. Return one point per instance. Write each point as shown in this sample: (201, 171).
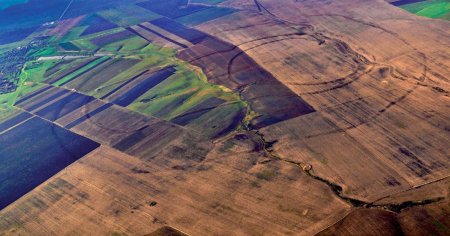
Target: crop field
(91, 80)
(15, 35)
(57, 70)
(104, 40)
(255, 117)
(127, 15)
(429, 8)
(263, 90)
(25, 158)
(205, 15)
(15, 120)
(139, 89)
(68, 46)
(437, 9)
(171, 8)
(189, 34)
(96, 24)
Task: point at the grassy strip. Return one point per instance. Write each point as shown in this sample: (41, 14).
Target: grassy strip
(80, 71)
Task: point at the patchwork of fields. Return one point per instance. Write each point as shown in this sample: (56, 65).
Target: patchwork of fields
(234, 117)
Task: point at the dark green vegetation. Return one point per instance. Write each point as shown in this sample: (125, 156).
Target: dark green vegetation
(33, 152)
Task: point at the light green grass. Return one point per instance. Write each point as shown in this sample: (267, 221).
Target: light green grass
(431, 9)
(126, 46)
(44, 52)
(36, 70)
(186, 81)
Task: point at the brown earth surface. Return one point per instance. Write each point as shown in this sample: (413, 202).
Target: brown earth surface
(371, 156)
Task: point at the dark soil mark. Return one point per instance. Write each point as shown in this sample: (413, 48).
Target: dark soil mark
(139, 171)
(167, 231)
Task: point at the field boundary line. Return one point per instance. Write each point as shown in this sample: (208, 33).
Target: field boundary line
(14, 126)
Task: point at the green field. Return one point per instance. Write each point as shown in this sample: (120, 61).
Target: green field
(438, 9)
(176, 95)
(128, 56)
